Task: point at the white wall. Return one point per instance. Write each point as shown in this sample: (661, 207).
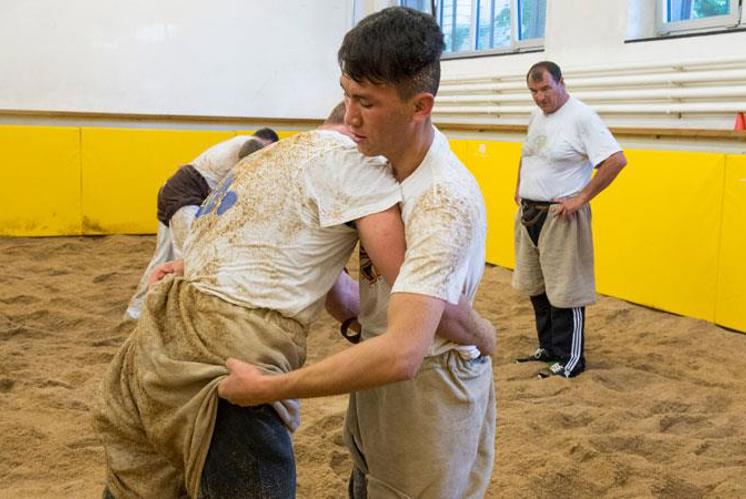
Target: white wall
(248, 58)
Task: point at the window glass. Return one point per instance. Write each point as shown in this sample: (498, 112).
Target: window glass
(531, 18)
(421, 5)
(493, 29)
(455, 21)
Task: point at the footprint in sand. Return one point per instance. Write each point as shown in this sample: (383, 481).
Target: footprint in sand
(341, 463)
(104, 277)
(681, 424)
(84, 443)
(111, 341)
(6, 384)
(50, 382)
(20, 300)
(671, 487)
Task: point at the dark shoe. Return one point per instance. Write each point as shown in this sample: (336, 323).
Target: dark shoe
(540, 355)
(557, 369)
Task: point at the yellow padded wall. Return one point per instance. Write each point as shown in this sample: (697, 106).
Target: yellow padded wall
(124, 168)
(657, 231)
(41, 175)
(495, 166)
(730, 310)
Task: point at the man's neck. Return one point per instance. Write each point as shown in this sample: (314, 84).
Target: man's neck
(405, 163)
(564, 101)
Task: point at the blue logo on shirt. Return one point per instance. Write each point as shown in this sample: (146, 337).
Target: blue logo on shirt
(221, 197)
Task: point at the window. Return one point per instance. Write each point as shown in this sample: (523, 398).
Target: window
(421, 5)
(488, 25)
(686, 15)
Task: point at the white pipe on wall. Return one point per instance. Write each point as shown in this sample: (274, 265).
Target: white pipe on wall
(683, 108)
(735, 75)
(619, 69)
(644, 94)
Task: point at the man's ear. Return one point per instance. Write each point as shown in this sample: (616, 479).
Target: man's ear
(423, 106)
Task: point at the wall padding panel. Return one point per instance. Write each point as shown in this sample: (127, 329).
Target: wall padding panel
(731, 293)
(41, 176)
(657, 231)
(495, 166)
(124, 168)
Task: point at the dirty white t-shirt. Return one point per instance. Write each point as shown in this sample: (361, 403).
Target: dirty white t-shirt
(273, 234)
(445, 222)
(560, 151)
(214, 163)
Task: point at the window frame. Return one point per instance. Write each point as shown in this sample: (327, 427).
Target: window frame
(516, 45)
(664, 28)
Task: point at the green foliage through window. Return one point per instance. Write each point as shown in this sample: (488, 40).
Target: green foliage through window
(685, 10)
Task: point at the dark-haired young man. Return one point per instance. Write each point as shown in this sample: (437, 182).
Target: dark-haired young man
(180, 197)
(553, 243)
(432, 433)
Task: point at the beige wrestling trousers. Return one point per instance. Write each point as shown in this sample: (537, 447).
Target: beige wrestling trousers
(159, 396)
(430, 437)
(561, 264)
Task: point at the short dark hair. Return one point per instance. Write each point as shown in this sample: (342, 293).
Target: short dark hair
(536, 72)
(248, 147)
(337, 115)
(398, 46)
(267, 134)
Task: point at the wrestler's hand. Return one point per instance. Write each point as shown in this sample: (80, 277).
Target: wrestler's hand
(486, 332)
(162, 270)
(243, 385)
(568, 206)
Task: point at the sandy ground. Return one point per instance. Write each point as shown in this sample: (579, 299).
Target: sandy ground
(661, 412)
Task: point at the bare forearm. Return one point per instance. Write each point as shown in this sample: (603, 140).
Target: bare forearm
(607, 172)
(366, 365)
(462, 325)
(394, 356)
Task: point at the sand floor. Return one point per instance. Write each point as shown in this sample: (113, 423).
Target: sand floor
(661, 411)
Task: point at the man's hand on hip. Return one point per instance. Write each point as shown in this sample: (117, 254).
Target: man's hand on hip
(567, 207)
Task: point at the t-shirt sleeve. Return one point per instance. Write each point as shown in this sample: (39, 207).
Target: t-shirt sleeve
(596, 138)
(347, 185)
(439, 232)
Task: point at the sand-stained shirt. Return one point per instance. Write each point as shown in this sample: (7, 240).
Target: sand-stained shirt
(214, 163)
(273, 234)
(445, 223)
(560, 151)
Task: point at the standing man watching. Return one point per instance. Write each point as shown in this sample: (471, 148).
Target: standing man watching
(432, 434)
(553, 243)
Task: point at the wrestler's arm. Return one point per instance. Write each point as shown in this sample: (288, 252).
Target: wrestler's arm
(382, 235)
(343, 300)
(606, 172)
(388, 358)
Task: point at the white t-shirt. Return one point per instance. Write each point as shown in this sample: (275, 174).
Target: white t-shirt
(561, 150)
(216, 162)
(444, 216)
(273, 234)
